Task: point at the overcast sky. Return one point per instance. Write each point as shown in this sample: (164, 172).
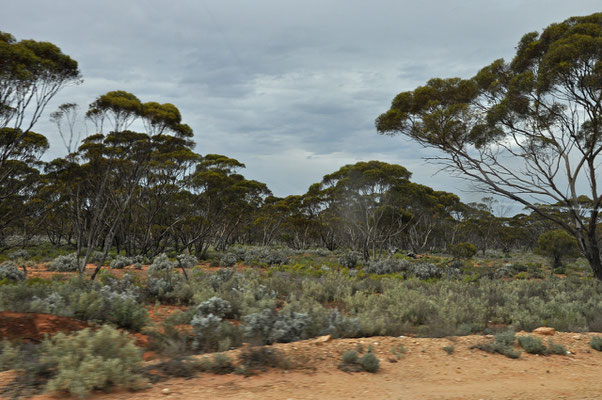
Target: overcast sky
(290, 88)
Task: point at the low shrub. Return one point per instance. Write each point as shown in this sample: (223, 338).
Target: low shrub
(352, 362)
(270, 326)
(596, 343)
(449, 349)
(228, 260)
(121, 262)
(253, 358)
(350, 259)
(10, 272)
(90, 360)
(556, 348)
(219, 307)
(350, 357)
(503, 344)
(369, 362)
(388, 266)
(220, 364)
(66, 263)
(532, 344)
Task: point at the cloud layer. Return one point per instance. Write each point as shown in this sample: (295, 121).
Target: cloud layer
(290, 88)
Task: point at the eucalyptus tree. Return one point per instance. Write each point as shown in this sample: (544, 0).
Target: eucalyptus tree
(31, 73)
(529, 129)
(101, 179)
(224, 203)
(362, 196)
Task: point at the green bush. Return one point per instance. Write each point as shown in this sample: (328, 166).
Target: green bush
(532, 344)
(557, 244)
(556, 348)
(253, 358)
(221, 364)
(596, 343)
(462, 250)
(66, 263)
(90, 360)
(350, 357)
(10, 272)
(369, 362)
(503, 344)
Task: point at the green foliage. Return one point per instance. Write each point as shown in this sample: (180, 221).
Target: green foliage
(449, 349)
(221, 364)
(532, 344)
(387, 266)
(89, 360)
(228, 260)
(369, 362)
(556, 348)
(503, 344)
(10, 272)
(462, 250)
(9, 355)
(557, 244)
(596, 343)
(121, 262)
(253, 358)
(350, 357)
(66, 263)
(350, 259)
(270, 326)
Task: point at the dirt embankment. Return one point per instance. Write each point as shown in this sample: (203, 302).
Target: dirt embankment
(411, 368)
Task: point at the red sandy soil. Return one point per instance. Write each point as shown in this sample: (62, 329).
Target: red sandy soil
(33, 327)
(424, 372)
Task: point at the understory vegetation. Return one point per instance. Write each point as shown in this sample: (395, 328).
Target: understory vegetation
(314, 294)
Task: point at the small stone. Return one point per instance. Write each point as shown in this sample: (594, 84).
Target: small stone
(544, 330)
(166, 391)
(323, 339)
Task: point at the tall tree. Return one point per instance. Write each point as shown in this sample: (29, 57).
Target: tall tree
(529, 130)
(31, 73)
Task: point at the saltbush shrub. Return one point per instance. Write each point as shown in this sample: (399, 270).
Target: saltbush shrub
(532, 344)
(350, 357)
(228, 260)
(10, 272)
(270, 326)
(426, 271)
(66, 263)
(387, 266)
(121, 262)
(216, 306)
(93, 360)
(369, 362)
(596, 343)
(350, 259)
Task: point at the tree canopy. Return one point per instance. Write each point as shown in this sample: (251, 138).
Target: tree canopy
(529, 129)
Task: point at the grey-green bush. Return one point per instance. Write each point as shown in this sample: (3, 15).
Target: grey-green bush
(10, 272)
(66, 263)
(90, 360)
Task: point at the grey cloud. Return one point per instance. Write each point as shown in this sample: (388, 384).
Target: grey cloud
(290, 88)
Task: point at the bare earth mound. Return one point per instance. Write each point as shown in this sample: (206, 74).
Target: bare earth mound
(33, 327)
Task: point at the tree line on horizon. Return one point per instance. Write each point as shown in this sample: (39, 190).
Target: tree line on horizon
(143, 193)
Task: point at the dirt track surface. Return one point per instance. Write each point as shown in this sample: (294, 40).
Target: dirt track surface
(424, 372)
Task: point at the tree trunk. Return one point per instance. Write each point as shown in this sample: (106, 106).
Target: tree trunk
(591, 251)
